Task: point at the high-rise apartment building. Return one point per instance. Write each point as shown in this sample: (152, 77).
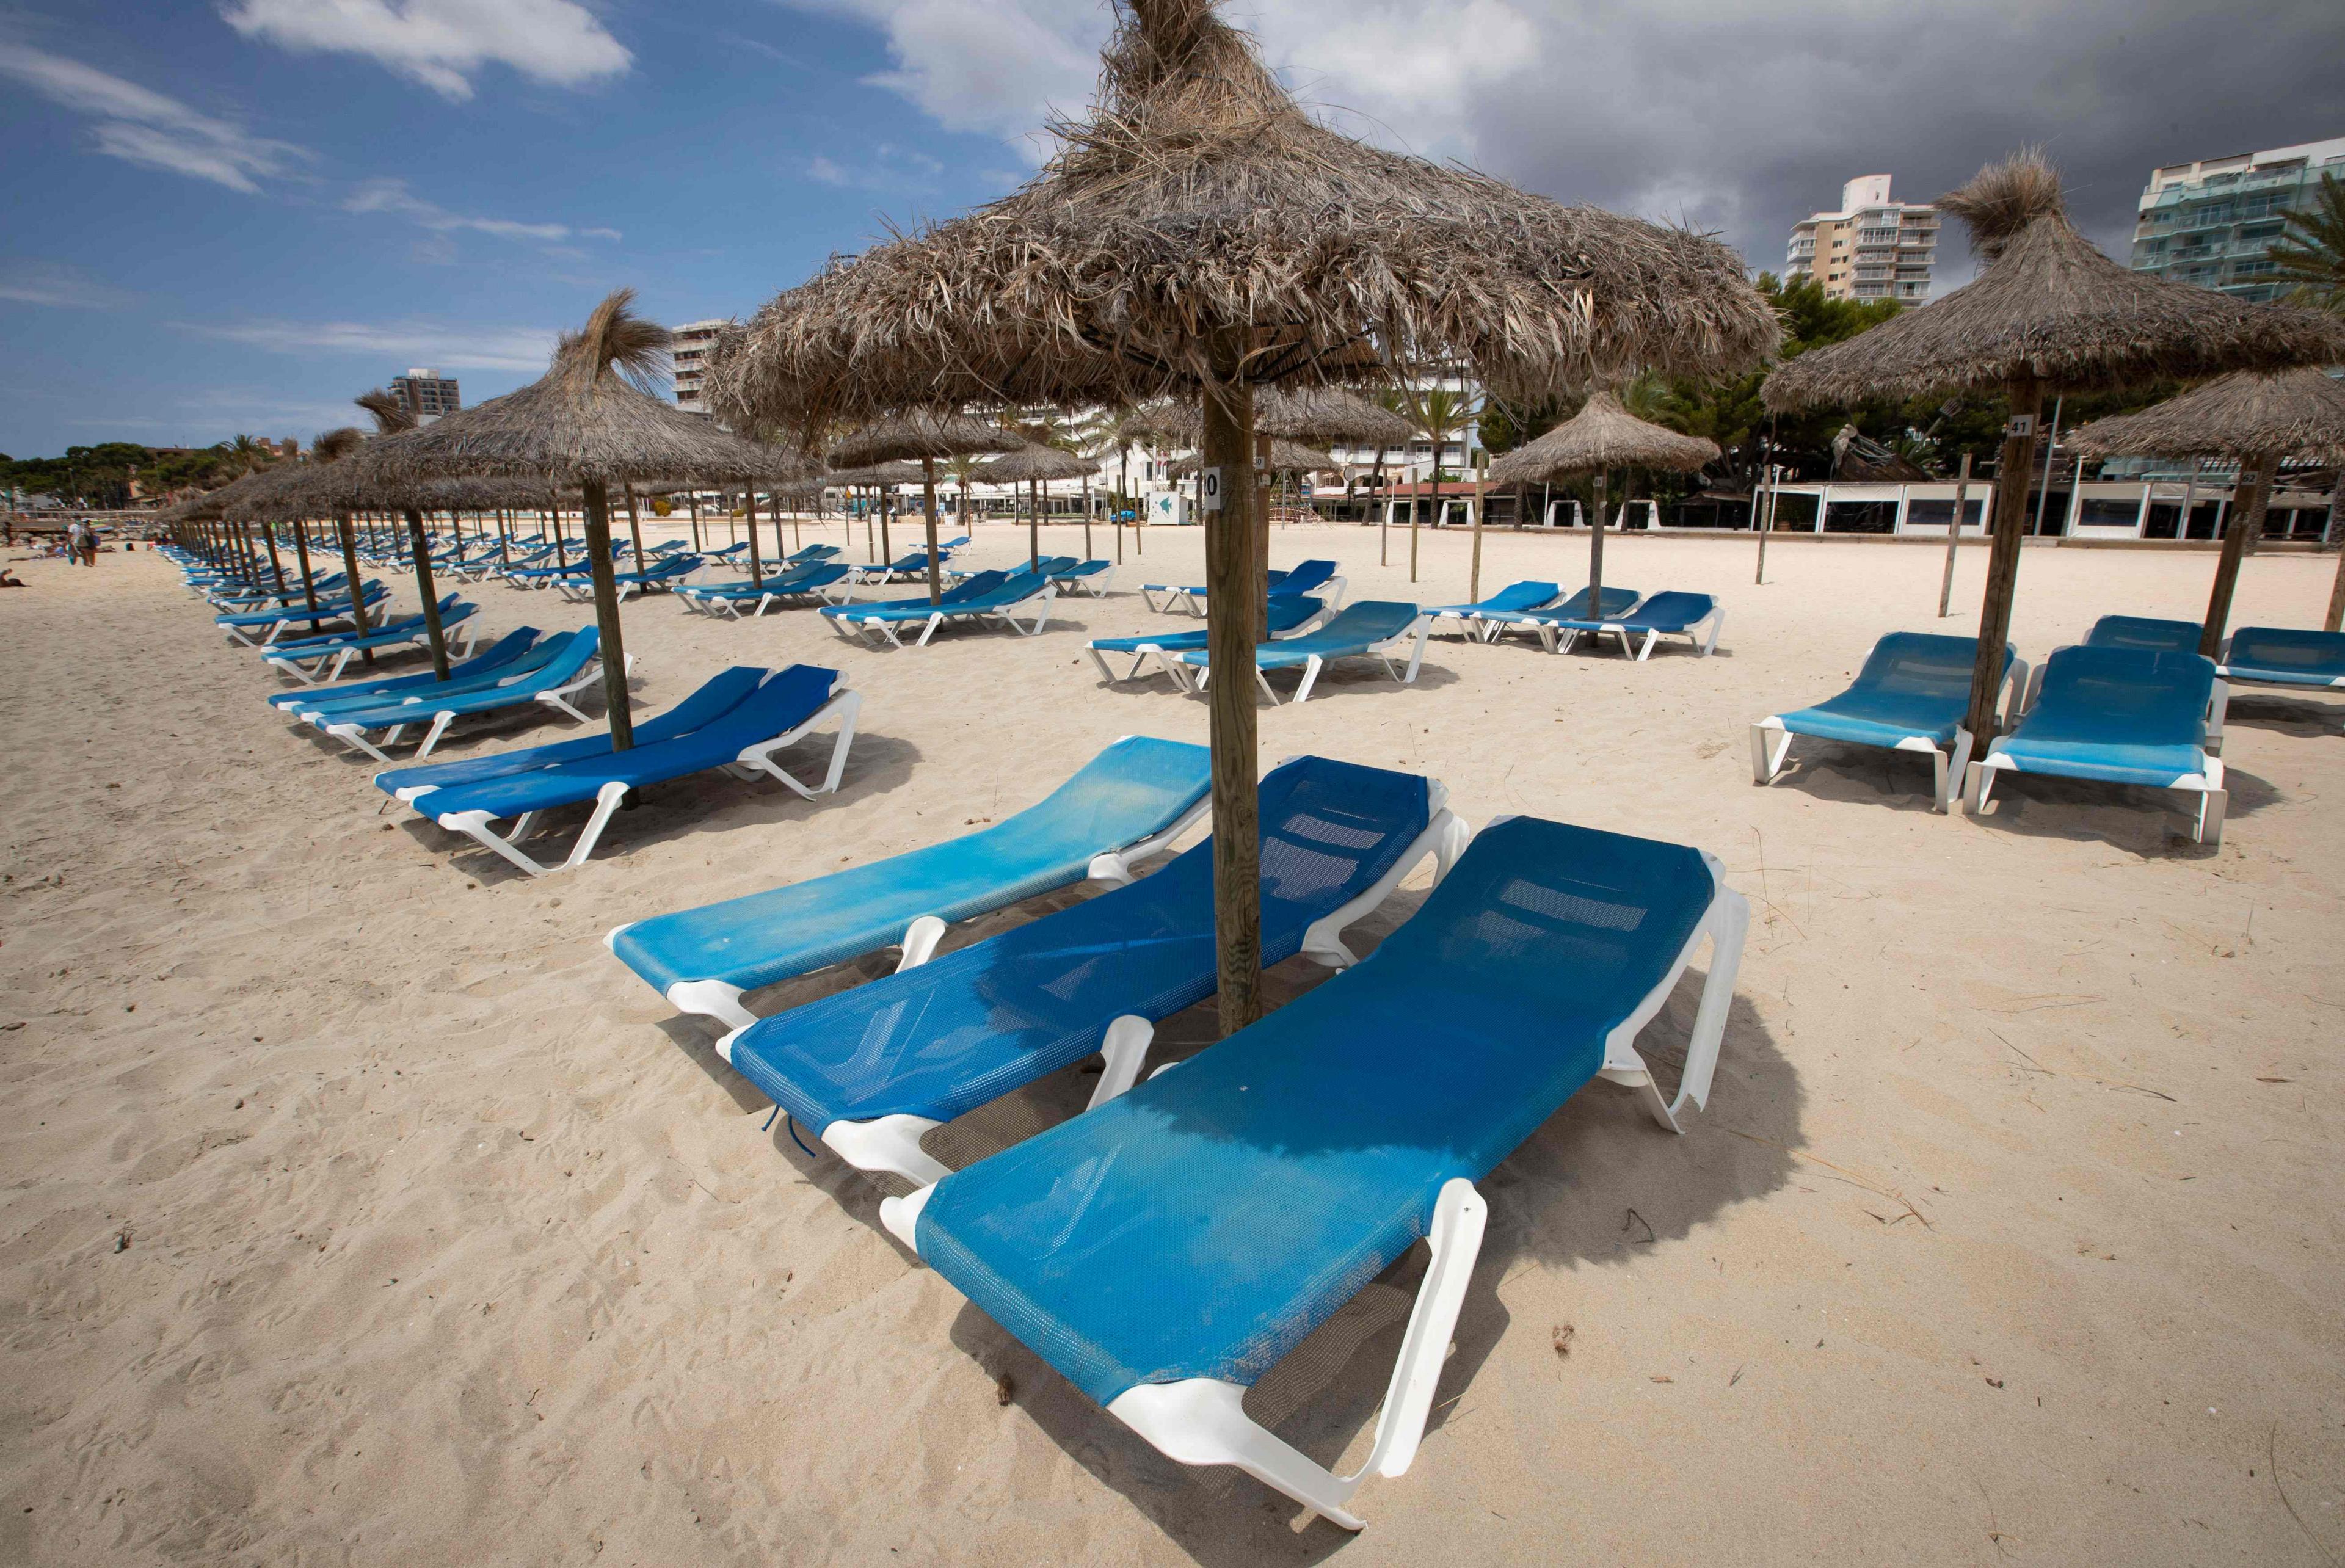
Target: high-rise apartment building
(1871, 248)
(2213, 222)
(426, 394)
(692, 341)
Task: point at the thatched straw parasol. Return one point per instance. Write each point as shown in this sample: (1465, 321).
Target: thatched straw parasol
(2048, 310)
(923, 436)
(2256, 419)
(587, 422)
(1601, 437)
(1034, 465)
(1200, 235)
(1286, 457)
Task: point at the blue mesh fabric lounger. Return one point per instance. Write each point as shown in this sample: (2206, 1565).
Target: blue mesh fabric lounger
(1496, 623)
(872, 1068)
(273, 624)
(1123, 806)
(1911, 695)
(914, 564)
(2302, 659)
(1291, 616)
(1091, 577)
(716, 696)
(319, 660)
(742, 741)
(1316, 578)
(1167, 1248)
(463, 680)
(500, 656)
(1001, 598)
(827, 580)
(572, 670)
(1373, 628)
(2144, 631)
(2122, 715)
(1513, 597)
(811, 553)
(665, 572)
(1696, 617)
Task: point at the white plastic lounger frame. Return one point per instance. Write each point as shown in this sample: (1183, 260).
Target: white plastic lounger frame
(1037, 603)
(1147, 650)
(558, 698)
(1202, 1420)
(2207, 826)
(752, 763)
(891, 1143)
(1094, 583)
(325, 667)
(1563, 639)
(1705, 642)
(1770, 741)
(722, 1001)
(1414, 635)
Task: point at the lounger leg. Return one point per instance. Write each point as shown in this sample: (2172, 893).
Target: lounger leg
(1644, 652)
(890, 1143)
(1978, 779)
(1125, 1049)
(351, 732)
(1730, 925)
(921, 939)
(1767, 752)
(607, 800)
(342, 661)
(2212, 803)
(440, 722)
(474, 825)
(1202, 1420)
(1953, 769)
(1107, 677)
(1416, 654)
(2217, 704)
(846, 705)
(930, 630)
(1311, 668)
(1709, 642)
(710, 1000)
(1261, 679)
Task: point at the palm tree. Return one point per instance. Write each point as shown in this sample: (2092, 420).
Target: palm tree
(243, 454)
(1438, 414)
(2311, 254)
(1115, 429)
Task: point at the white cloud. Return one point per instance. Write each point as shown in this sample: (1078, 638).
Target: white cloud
(443, 43)
(57, 285)
(412, 342)
(391, 196)
(147, 128)
(890, 169)
(991, 68)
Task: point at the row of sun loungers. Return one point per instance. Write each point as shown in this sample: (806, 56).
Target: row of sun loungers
(323, 658)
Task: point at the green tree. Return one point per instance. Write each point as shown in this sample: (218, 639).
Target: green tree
(2311, 254)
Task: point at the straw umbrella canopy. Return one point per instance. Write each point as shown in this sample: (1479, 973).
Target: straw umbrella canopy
(587, 422)
(2047, 311)
(1286, 457)
(2254, 418)
(923, 436)
(1601, 437)
(1200, 235)
(1033, 465)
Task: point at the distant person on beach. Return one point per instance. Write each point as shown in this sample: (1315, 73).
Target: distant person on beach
(8, 578)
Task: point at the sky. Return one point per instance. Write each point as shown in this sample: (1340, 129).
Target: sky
(234, 217)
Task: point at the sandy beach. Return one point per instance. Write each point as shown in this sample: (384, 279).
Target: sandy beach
(359, 1207)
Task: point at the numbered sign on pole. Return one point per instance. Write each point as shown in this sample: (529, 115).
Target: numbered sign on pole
(1209, 488)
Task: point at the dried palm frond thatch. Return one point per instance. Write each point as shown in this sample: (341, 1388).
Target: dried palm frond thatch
(1033, 460)
(2249, 416)
(1331, 415)
(1286, 457)
(1200, 196)
(1602, 435)
(917, 435)
(2051, 307)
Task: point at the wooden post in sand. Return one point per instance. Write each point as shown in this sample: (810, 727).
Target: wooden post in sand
(1474, 576)
(2243, 525)
(422, 549)
(309, 581)
(2014, 466)
(1955, 535)
(350, 534)
(1233, 577)
(750, 506)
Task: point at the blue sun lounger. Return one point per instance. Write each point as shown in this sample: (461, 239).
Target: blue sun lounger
(1513, 597)
(463, 680)
(1091, 577)
(666, 573)
(916, 564)
(2144, 632)
(1373, 628)
(2120, 715)
(1126, 805)
(826, 581)
(1911, 695)
(500, 655)
(1166, 1249)
(1291, 615)
(1316, 578)
(1663, 615)
(295, 612)
(2302, 660)
(1496, 623)
(871, 1069)
(572, 670)
(742, 740)
(975, 599)
(812, 554)
(319, 660)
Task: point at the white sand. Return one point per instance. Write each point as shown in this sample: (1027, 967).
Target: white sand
(360, 1208)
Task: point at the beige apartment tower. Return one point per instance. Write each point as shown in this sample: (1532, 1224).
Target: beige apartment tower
(1873, 248)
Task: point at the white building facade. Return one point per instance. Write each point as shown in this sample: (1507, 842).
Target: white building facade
(1873, 248)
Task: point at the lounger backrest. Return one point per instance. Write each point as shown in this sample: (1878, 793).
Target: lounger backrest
(1306, 575)
(1289, 610)
(1360, 623)
(2293, 649)
(1673, 610)
(974, 585)
(718, 695)
(2144, 631)
(1616, 602)
(1524, 595)
(2123, 696)
(1921, 665)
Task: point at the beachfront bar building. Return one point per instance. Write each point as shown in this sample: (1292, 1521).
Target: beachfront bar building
(2212, 222)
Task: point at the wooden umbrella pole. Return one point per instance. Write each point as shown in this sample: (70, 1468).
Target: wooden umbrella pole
(749, 506)
(1595, 554)
(1384, 514)
(606, 614)
(1033, 522)
(1087, 517)
(928, 518)
(879, 503)
(1231, 572)
(2239, 533)
(422, 549)
(308, 579)
(2334, 533)
(504, 541)
(349, 537)
(553, 508)
(692, 500)
(1124, 494)
(634, 530)
(276, 562)
(1415, 507)
(1955, 535)
(1474, 576)
(2013, 468)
